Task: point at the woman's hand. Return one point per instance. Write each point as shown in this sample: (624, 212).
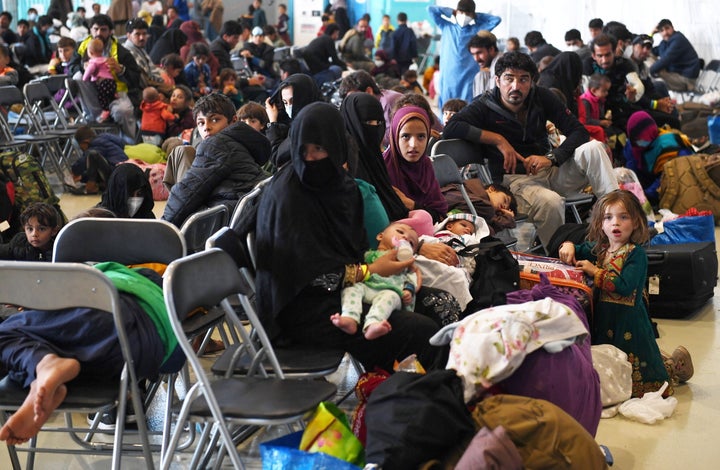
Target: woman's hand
(407, 202)
(440, 252)
(271, 110)
(567, 253)
(388, 264)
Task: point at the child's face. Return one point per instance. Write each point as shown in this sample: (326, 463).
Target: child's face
(386, 21)
(22, 30)
(617, 224)
(211, 124)
(602, 91)
(460, 227)
(254, 123)
(412, 140)
(172, 71)
(65, 53)
(230, 81)
(199, 60)
(178, 100)
(39, 235)
(447, 115)
(397, 231)
(499, 200)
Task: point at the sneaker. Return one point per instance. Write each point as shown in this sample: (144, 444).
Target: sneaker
(109, 417)
(683, 364)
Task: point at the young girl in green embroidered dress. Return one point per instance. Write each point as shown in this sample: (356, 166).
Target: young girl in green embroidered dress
(614, 257)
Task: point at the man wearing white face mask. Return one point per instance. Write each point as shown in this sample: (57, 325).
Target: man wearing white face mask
(574, 43)
(457, 66)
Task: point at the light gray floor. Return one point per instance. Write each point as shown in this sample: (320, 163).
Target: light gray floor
(686, 440)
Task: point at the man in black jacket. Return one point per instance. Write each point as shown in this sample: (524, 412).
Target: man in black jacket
(322, 58)
(231, 33)
(510, 123)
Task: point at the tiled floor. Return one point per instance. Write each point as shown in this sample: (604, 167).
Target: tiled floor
(686, 440)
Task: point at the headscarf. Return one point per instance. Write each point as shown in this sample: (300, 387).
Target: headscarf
(305, 91)
(416, 180)
(641, 131)
(356, 110)
(565, 74)
(310, 215)
(124, 180)
(193, 33)
(170, 42)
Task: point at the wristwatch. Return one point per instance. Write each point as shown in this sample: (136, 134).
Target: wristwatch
(551, 156)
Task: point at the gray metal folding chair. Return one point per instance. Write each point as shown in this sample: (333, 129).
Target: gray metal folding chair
(52, 286)
(205, 280)
(199, 226)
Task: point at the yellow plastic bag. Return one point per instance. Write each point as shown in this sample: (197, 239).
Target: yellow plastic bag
(329, 432)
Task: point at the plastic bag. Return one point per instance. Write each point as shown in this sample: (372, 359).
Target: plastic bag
(283, 454)
(329, 432)
(693, 227)
(650, 408)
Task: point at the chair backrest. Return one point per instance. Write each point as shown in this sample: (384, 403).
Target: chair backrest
(201, 225)
(447, 172)
(205, 280)
(462, 151)
(52, 286)
(126, 241)
(11, 95)
(245, 201)
(42, 104)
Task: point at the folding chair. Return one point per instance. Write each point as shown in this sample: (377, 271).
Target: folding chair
(17, 128)
(51, 120)
(107, 239)
(51, 286)
(85, 107)
(204, 280)
(447, 172)
(199, 226)
(294, 361)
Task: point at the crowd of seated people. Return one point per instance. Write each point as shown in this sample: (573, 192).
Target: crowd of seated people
(341, 177)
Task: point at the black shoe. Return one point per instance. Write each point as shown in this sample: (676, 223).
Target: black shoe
(108, 418)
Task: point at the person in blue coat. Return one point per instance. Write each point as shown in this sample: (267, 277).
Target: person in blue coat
(456, 64)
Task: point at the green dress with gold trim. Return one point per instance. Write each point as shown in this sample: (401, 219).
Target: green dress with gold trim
(621, 316)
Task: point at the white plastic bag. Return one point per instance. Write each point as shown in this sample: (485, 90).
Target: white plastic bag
(650, 408)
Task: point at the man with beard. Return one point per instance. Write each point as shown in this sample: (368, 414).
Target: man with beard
(509, 123)
(123, 67)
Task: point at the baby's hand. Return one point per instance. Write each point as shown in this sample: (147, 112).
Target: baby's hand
(406, 297)
(507, 212)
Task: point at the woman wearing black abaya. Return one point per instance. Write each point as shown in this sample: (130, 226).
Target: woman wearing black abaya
(565, 74)
(365, 121)
(128, 193)
(310, 238)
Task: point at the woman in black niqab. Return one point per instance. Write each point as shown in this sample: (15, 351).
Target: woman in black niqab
(357, 110)
(309, 229)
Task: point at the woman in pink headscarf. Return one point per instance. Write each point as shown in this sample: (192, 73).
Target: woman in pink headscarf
(411, 172)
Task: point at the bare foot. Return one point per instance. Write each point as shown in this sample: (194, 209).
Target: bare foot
(47, 392)
(346, 324)
(377, 330)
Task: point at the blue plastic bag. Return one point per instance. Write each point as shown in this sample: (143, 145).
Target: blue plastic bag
(692, 229)
(284, 454)
(714, 128)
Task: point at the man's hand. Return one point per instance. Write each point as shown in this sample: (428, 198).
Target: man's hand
(113, 65)
(510, 156)
(535, 163)
(630, 93)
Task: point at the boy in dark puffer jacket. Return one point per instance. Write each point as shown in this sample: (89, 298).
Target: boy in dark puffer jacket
(40, 222)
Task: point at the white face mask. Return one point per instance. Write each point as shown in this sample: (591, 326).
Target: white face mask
(628, 51)
(462, 19)
(379, 63)
(572, 48)
(288, 110)
(134, 204)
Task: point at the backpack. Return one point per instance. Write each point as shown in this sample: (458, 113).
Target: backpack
(686, 183)
(413, 418)
(28, 177)
(7, 201)
(496, 273)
